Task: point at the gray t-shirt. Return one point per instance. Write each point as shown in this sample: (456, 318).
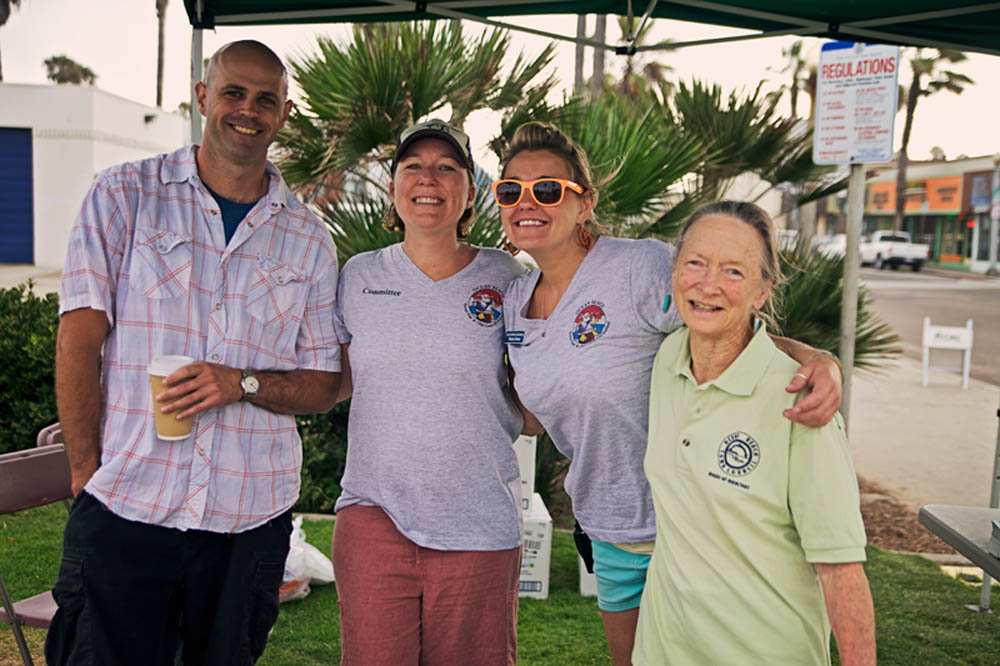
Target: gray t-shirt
(432, 423)
(585, 372)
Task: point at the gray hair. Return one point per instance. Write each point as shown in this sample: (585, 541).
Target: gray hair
(770, 263)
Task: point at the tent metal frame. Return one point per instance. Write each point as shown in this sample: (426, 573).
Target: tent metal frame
(868, 29)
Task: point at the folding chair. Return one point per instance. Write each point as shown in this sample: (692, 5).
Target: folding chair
(31, 478)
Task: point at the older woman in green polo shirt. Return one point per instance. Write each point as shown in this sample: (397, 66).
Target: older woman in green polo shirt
(760, 541)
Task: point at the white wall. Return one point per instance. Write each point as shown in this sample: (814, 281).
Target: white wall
(76, 132)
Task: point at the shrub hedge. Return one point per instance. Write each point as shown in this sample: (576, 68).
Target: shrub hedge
(28, 326)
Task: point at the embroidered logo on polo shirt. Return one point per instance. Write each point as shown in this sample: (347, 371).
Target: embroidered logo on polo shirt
(590, 323)
(485, 305)
(739, 454)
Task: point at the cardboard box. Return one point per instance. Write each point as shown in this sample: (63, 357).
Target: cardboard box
(588, 581)
(524, 449)
(536, 551)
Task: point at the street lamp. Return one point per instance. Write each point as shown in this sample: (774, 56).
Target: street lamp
(994, 217)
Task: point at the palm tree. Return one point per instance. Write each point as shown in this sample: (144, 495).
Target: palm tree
(927, 79)
(358, 96)
(6, 7)
(653, 74)
(747, 135)
(803, 77)
(161, 22)
(63, 69)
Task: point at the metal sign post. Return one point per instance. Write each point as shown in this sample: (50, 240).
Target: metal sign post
(855, 113)
(852, 275)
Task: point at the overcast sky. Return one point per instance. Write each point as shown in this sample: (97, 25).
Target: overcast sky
(117, 40)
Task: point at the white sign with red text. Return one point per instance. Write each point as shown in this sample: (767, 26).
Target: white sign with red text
(856, 91)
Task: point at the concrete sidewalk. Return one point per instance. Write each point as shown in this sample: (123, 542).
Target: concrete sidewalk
(928, 445)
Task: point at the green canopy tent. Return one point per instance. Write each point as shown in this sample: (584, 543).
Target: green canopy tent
(966, 26)
(963, 25)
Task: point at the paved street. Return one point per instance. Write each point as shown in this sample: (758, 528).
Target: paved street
(932, 444)
(903, 299)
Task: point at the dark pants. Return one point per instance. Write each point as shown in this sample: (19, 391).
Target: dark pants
(129, 593)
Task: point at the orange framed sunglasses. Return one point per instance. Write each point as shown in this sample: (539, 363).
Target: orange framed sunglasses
(547, 192)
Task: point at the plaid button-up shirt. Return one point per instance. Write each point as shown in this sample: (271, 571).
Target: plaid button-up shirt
(148, 249)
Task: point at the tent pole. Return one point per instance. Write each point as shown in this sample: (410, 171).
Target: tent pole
(852, 270)
(461, 16)
(673, 46)
(196, 57)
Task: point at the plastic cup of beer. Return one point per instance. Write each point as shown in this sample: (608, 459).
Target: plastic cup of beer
(168, 426)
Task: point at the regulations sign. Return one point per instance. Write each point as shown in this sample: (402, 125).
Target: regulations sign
(856, 95)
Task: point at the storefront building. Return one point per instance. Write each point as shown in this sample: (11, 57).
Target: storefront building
(947, 207)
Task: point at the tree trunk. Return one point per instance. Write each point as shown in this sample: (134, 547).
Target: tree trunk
(793, 93)
(902, 161)
(581, 33)
(810, 90)
(600, 35)
(161, 19)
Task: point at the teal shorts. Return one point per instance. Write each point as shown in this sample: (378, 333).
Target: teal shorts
(621, 577)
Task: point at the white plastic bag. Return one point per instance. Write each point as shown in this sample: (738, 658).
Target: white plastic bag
(305, 564)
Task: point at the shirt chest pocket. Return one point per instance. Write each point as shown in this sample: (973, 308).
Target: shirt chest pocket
(161, 264)
(276, 294)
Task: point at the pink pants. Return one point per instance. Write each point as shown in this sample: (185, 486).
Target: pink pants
(402, 604)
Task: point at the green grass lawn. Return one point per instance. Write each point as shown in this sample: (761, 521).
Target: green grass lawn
(920, 612)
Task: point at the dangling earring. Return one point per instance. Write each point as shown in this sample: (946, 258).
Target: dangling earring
(583, 235)
(510, 247)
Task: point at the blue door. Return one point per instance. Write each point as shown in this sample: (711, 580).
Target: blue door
(16, 216)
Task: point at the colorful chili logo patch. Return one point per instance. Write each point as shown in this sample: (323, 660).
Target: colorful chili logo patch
(485, 306)
(590, 324)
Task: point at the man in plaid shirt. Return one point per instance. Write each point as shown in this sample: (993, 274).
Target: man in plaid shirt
(203, 253)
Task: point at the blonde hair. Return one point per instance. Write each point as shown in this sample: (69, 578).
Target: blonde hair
(536, 135)
(770, 262)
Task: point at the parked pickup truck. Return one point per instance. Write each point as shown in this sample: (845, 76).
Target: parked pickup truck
(892, 249)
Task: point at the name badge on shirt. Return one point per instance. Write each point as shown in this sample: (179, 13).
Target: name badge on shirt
(513, 338)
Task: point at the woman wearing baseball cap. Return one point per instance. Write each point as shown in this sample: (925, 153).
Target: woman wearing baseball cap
(583, 330)
(427, 540)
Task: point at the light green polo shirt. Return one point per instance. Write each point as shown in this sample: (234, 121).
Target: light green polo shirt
(745, 502)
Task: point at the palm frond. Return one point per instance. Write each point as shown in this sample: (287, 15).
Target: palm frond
(810, 304)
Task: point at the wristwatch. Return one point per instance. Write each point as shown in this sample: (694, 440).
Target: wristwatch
(249, 384)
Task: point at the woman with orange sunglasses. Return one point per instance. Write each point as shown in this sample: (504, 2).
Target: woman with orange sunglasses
(582, 331)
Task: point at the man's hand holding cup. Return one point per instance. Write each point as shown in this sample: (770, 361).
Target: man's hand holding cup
(183, 387)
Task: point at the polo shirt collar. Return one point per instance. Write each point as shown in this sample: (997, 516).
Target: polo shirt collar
(181, 166)
(743, 374)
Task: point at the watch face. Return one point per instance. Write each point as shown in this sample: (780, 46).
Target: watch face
(251, 385)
